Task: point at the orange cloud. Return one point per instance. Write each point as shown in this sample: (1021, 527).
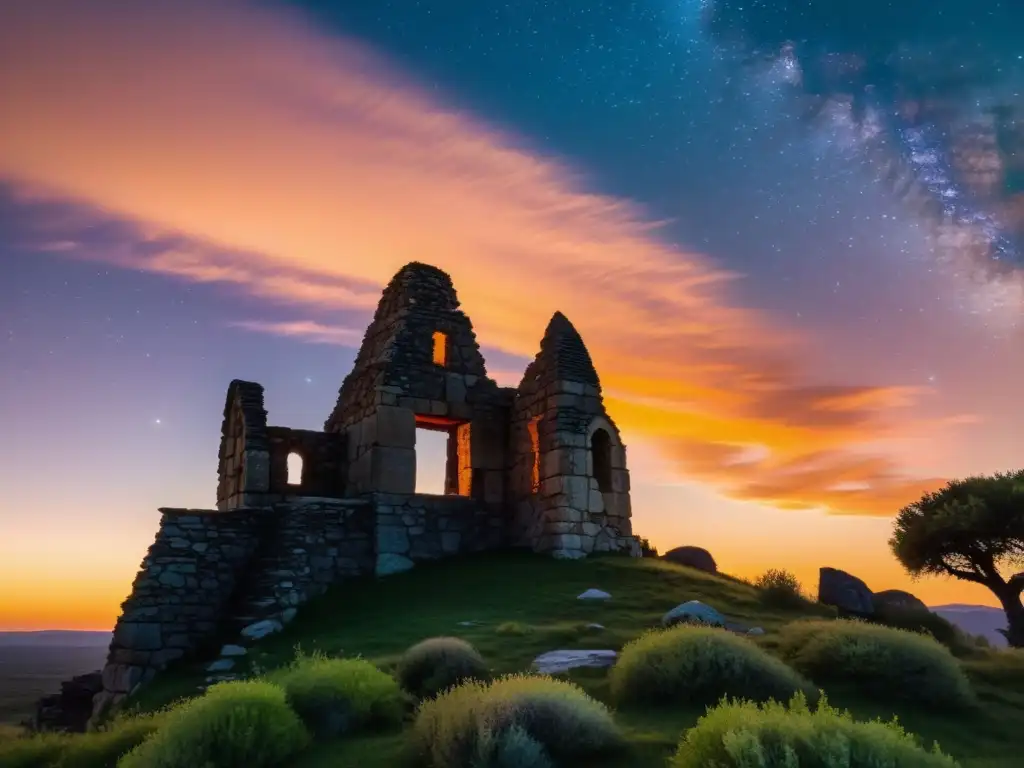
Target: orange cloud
(247, 148)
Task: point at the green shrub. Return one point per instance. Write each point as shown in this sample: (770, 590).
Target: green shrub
(513, 628)
(689, 664)
(98, 749)
(744, 735)
(918, 620)
(516, 718)
(880, 661)
(335, 696)
(779, 588)
(438, 663)
(35, 751)
(243, 723)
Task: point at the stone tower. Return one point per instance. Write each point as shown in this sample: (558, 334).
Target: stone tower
(569, 487)
(420, 366)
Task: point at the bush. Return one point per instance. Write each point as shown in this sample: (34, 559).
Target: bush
(520, 721)
(98, 749)
(742, 734)
(513, 628)
(335, 696)
(236, 723)
(881, 661)
(690, 664)
(780, 588)
(918, 620)
(438, 663)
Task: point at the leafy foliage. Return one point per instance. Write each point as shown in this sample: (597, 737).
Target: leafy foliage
(690, 664)
(924, 621)
(883, 662)
(335, 696)
(235, 723)
(748, 735)
(970, 529)
(780, 589)
(964, 529)
(646, 548)
(438, 663)
(97, 749)
(478, 724)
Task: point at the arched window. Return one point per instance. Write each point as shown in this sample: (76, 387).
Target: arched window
(440, 348)
(294, 475)
(601, 453)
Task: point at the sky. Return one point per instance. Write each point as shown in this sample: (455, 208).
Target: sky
(203, 190)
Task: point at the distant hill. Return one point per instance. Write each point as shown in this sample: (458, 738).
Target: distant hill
(54, 638)
(975, 619)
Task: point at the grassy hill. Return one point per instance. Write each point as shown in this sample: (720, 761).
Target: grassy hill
(513, 607)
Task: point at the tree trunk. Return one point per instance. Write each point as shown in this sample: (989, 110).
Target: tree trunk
(1014, 617)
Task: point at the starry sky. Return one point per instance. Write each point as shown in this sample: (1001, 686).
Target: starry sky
(197, 191)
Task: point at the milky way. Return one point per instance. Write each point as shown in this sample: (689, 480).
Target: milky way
(933, 98)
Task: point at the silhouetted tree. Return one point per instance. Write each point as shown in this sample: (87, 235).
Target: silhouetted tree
(972, 529)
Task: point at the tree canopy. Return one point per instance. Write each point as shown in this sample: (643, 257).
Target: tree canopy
(972, 529)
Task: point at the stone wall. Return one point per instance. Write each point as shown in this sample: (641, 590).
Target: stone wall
(309, 544)
(179, 595)
(244, 463)
(568, 482)
(323, 463)
(412, 529)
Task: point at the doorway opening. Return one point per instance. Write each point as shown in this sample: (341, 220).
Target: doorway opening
(443, 456)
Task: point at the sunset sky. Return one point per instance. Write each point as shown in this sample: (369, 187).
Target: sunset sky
(202, 190)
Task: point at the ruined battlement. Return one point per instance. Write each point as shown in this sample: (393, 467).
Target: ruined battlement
(540, 466)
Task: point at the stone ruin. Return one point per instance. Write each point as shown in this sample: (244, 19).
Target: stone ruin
(539, 466)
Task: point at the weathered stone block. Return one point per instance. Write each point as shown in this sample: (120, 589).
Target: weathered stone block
(391, 427)
(392, 539)
(394, 469)
(257, 471)
(455, 388)
(139, 636)
(388, 564)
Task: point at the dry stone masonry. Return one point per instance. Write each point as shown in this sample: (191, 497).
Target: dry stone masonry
(540, 466)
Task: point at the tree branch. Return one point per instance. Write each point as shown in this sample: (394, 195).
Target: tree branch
(962, 574)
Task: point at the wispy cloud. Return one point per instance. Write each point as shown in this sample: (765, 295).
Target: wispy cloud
(305, 330)
(244, 147)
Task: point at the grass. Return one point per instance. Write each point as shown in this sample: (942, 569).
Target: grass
(513, 607)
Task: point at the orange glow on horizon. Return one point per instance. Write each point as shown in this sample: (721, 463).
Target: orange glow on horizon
(305, 170)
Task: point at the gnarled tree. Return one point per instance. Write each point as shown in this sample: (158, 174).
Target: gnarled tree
(972, 529)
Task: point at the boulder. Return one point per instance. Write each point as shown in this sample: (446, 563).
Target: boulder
(845, 592)
(555, 662)
(70, 709)
(692, 557)
(755, 631)
(897, 598)
(593, 594)
(693, 612)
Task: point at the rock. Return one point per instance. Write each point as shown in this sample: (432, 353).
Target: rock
(233, 650)
(693, 612)
(692, 557)
(221, 665)
(389, 563)
(755, 631)
(555, 662)
(70, 709)
(261, 629)
(845, 592)
(897, 598)
(593, 594)
(595, 627)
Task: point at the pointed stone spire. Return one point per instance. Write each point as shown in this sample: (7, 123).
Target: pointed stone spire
(563, 355)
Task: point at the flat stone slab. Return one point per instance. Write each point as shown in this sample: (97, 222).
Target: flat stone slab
(555, 662)
(261, 629)
(233, 650)
(593, 594)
